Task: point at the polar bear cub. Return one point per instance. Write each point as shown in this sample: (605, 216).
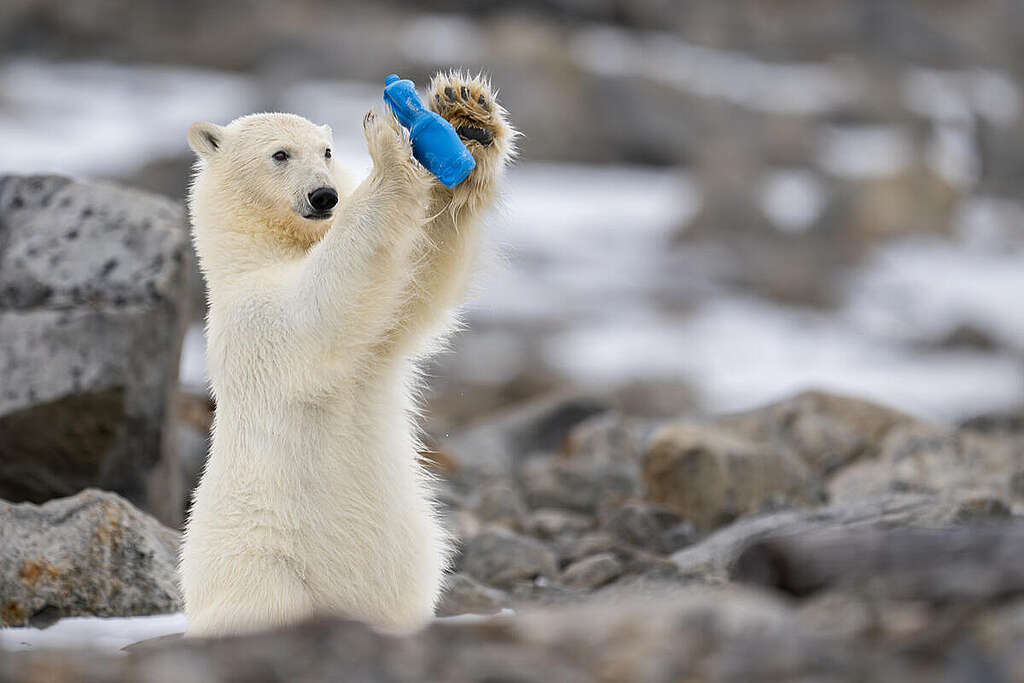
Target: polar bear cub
(323, 295)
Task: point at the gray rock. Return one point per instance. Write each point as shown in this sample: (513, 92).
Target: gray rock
(710, 477)
(606, 437)
(592, 572)
(501, 558)
(961, 465)
(570, 549)
(463, 595)
(938, 564)
(650, 527)
(713, 558)
(550, 523)
(498, 444)
(91, 554)
(578, 484)
(93, 306)
(502, 504)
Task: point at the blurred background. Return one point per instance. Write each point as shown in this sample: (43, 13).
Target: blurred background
(716, 205)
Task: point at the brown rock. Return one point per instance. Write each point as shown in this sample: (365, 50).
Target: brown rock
(710, 477)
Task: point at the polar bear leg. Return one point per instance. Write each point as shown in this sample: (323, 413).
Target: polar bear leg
(443, 262)
(264, 595)
(353, 279)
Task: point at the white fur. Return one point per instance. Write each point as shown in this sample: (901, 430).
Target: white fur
(313, 499)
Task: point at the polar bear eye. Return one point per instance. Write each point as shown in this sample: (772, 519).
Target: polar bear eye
(327, 154)
(280, 155)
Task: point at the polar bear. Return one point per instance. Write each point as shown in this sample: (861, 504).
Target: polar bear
(323, 296)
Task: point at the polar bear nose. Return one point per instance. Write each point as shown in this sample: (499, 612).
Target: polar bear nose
(323, 198)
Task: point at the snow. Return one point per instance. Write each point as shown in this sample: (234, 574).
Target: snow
(95, 633)
(955, 96)
(792, 199)
(102, 119)
(111, 635)
(864, 151)
(784, 88)
(740, 353)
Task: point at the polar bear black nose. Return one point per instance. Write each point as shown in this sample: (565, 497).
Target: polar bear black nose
(323, 198)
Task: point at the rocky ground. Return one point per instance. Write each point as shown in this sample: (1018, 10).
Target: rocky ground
(819, 538)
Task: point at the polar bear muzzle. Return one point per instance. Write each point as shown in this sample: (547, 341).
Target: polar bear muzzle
(322, 200)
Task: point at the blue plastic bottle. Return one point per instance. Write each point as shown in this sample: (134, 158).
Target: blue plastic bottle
(435, 144)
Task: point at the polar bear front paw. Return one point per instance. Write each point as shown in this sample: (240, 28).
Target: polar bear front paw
(391, 151)
(469, 104)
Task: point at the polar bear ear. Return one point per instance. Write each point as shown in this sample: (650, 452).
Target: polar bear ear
(205, 138)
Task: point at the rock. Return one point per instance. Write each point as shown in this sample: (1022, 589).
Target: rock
(501, 558)
(943, 564)
(606, 437)
(463, 595)
(578, 484)
(93, 306)
(570, 549)
(592, 572)
(498, 444)
(650, 527)
(1007, 423)
(825, 430)
(703, 633)
(959, 465)
(713, 558)
(501, 504)
(92, 554)
(655, 639)
(550, 523)
(710, 477)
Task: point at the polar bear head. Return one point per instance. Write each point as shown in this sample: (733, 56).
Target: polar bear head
(269, 175)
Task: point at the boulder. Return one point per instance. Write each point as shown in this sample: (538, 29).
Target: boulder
(825, 430)
(91, 554)
(937, 564)
(710, 477)
(714, 558)
(93, 307)
(967, 466)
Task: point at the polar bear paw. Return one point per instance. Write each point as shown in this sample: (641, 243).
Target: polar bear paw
(470, 105)
(391, 152)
